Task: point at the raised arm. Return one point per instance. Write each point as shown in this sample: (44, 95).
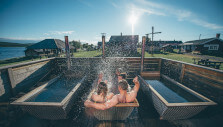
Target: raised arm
(100, 76)
(102, 106)
(137, 84)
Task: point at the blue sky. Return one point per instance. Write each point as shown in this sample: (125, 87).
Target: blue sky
(85, 20)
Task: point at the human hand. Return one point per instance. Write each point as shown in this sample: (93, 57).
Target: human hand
(87, 103)
(106, 81)
(135, 80)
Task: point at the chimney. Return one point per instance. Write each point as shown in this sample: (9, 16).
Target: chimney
(218, 35)
(121, 33)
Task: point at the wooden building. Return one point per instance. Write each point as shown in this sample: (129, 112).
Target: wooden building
(158, 45)
(47, 47)
(123, 45)
(212, 46)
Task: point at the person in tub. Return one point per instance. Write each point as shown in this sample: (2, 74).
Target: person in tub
(122, 97)
(102, 94)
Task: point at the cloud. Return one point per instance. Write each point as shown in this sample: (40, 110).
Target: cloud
(86, 3)
(180, 14)
(115, 5)
(140, 11)
(206, 24)
(58, 33)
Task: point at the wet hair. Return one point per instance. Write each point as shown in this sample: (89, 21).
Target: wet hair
(123, 75)
(102, 88)
(123, 84)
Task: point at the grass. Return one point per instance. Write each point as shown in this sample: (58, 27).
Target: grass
(98, 53)
(174, 56)
(95, 53)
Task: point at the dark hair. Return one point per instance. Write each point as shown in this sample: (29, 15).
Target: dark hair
(123, 75)
(123, 84)
(102, 88)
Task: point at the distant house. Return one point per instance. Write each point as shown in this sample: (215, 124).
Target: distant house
(167, 48)
(204, 46)
(158, 45)
(122, 45)
(49, 47)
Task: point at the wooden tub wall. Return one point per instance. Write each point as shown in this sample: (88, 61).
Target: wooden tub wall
(119, 112)
(48, 110)
(172, 111)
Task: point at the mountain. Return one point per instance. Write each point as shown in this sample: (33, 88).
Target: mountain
(8, 44)
(18, 41)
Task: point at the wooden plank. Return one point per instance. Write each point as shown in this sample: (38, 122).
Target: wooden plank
(204, 81)
(207, 71)
(131, 104)
(150, 74)
(205, 75)
(34, 64)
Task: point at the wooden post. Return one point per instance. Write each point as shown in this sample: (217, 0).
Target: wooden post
(182, 73)
(12, 82)
(143, 52)
(103, 45)
(67, 47)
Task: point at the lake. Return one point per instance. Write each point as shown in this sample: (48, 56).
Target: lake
(11, 52)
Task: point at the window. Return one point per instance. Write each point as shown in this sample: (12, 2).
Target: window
(213, 47)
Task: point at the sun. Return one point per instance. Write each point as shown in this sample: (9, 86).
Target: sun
(132, 20)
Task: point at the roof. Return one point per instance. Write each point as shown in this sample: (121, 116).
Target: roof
(167, 45)
(124, 38)
(201, 41)
(168, 42)
(49, 44)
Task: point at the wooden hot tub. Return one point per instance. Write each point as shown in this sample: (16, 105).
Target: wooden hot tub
(53, 100)
(120, 111)
(173, 100)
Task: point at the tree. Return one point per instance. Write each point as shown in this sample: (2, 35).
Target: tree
(76, 44)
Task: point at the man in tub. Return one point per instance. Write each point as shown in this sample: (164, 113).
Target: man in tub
(123, 97)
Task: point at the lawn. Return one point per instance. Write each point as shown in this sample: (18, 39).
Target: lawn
(98, 53)
(95, 53)
(175, 56)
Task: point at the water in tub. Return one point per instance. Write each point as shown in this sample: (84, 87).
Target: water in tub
(55, 92)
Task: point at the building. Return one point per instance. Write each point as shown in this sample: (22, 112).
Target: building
(47, 47)
(122, 45)
(167, 48)
(204, 46)
(158, 45)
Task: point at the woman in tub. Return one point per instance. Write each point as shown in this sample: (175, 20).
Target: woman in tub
(101, 95)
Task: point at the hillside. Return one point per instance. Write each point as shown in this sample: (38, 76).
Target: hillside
(9, 44)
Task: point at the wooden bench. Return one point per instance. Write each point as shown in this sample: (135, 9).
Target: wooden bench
(208, 63)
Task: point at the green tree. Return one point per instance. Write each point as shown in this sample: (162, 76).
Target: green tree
(76, 44)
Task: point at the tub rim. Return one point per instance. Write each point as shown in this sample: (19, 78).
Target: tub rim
(21, 101)
(209, 102)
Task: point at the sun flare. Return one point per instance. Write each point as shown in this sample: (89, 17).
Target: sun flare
(133, 20)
